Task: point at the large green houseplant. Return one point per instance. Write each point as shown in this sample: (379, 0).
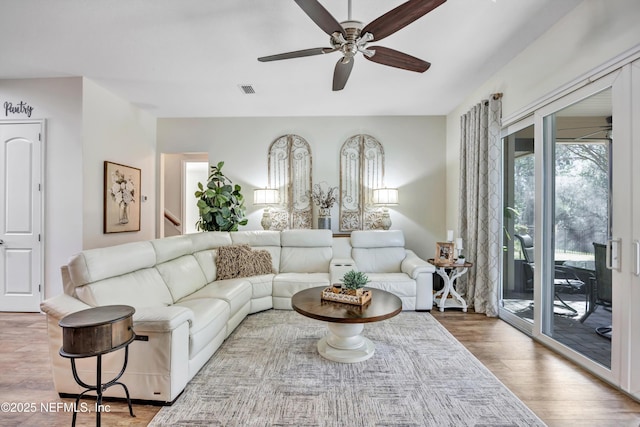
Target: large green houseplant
(220, 204)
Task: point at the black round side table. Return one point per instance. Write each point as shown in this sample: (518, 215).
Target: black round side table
(94, 332)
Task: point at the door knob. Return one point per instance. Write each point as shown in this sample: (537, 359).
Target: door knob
(1, 242)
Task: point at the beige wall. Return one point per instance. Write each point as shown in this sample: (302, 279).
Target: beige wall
(592, 34)
(115, 130)
(414, 154)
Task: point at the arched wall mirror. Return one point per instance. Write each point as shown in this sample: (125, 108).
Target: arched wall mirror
(361, 171)
(290, 173)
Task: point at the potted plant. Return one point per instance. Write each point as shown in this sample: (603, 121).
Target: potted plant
(220, 204)
(354, 281)
(460, 259)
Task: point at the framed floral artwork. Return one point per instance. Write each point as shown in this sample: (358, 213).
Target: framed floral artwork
(121, 198)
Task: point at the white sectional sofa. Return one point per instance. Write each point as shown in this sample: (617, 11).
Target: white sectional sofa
(184, 311)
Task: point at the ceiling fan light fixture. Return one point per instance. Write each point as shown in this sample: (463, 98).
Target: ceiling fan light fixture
(350, 37)
(367, 52)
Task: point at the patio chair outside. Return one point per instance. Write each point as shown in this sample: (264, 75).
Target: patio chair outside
(564, 278)
(601, 288)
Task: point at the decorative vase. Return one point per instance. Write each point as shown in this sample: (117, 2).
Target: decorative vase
(123, 213)
(324, 219)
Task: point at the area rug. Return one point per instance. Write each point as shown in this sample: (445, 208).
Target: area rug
(269, 373)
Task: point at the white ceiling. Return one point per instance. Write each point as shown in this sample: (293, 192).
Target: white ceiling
(186, 58)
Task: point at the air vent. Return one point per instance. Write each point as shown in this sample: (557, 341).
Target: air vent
(247, 89)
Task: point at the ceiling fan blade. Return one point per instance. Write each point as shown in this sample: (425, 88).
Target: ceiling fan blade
(297, 54)
(393, 58)
(341, 74)
(400, 17)
(321, 16)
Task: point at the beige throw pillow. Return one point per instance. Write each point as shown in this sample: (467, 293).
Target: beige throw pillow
(241, 261)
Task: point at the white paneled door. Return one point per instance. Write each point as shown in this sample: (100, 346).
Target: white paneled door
(20, 216)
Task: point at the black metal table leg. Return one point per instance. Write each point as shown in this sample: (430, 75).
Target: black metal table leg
(99, 388)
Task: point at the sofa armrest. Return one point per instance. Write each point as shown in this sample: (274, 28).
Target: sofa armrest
(413, 265)
(62, 305)
(339, 266)
(160, 319)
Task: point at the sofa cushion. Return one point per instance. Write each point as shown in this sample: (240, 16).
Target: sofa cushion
(236, 292)
(287, 284)
(173, 247)
(207, 261)
(378, 260)
(262, 285)
(142, 288)
(267, 240)
(209, 240)
(305, 251)
(256, 238)
(399, 284)
(306, 238)
(305, 260)
(377, 238)
(209, 319)
(378, 251)
(96, 264)
(183, 276)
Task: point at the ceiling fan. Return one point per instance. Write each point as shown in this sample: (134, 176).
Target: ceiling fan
(350, 37)
(595, 131)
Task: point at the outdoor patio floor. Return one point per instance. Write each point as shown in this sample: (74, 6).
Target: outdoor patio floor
(568, 330)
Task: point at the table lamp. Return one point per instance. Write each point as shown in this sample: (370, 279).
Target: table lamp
(385, 197)
(265, 197)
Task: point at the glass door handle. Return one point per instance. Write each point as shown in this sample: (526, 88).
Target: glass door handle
(613, 254)
(636, 244)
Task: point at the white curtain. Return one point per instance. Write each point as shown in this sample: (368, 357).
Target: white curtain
(480, 219)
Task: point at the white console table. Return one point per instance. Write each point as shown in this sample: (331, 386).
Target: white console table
(449, 271)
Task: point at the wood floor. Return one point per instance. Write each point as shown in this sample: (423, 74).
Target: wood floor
(560, 393)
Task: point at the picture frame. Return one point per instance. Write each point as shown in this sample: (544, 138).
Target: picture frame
(445, 252)
(122, 185)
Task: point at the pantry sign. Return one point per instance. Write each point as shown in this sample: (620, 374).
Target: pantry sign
(17, 108)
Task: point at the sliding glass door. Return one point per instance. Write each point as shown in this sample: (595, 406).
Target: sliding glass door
(576, 286)
(518, 215)
(571, 245)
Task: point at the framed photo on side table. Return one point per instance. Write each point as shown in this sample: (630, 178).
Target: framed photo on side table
(445, 252)
(121, 198)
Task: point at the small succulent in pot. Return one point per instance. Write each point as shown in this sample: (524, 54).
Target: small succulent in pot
(353, 280)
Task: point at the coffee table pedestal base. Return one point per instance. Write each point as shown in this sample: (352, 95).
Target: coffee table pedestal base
(344, 343)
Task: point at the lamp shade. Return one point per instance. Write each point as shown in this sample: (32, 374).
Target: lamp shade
(385, 196)
(265, 196)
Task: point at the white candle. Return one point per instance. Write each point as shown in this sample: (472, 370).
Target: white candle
(449, 235)
(459, 243)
